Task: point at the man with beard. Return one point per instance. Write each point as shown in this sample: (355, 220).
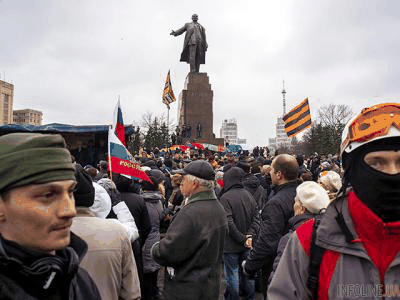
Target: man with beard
(358, 238)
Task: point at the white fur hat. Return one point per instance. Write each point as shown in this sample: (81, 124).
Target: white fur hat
(312, 196)
(331, 180)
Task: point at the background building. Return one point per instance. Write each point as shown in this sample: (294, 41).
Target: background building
(6, 102)
(281, 140)
(28, 116)
(229, 132)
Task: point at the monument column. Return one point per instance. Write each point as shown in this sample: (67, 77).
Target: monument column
(196, 110)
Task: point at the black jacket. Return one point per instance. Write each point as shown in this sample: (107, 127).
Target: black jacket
(294, 223)
(274, 224)
(154, 202)
(265, 182)
(241, 210)
(136, 206)
(193, 247)
(26, 274)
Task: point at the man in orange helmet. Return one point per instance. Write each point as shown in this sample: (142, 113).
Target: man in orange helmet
(354, 251)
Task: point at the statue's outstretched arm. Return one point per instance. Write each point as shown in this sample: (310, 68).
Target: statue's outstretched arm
(179, 31)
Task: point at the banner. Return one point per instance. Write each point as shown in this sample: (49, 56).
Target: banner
(168, 95)
(298, 119)
(121, 160)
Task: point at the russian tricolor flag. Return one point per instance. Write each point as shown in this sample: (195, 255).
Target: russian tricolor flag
(118, 123)
(121, 160)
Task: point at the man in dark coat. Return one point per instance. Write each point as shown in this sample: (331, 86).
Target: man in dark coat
(275, 216)
(128, 189)
(195, 44)
(193, 245)
(244, 222)
(253, 185)
(39, 255)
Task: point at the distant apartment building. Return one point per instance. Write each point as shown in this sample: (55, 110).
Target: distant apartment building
(229, 132)
(281, 139)
(6, 102)
(28, 116)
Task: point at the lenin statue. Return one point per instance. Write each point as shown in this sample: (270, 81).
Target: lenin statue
(195, 44)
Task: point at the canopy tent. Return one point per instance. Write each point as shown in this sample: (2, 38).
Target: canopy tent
(59, 128)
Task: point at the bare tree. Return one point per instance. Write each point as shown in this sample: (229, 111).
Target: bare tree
(148, 119)
(325, 134)
(335, 116)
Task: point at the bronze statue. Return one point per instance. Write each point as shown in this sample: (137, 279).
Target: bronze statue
(199, 128)
(195, 44)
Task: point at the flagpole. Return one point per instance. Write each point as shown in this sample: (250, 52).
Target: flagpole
(168, 122)
(109, 155)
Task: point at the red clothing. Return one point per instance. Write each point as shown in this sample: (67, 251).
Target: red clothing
(381, 240)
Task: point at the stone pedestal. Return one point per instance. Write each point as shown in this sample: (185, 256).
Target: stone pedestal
(195, 110)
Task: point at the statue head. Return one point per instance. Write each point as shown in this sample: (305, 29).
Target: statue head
(195, 17)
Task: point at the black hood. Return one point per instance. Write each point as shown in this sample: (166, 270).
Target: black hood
(152, 196)
(251, 182)
(233, 178)
(296, 221)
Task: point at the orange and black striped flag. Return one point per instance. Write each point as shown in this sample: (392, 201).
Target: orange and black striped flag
(168, 95)
(298, 119)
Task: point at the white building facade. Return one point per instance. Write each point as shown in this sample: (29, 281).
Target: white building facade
(229, 132)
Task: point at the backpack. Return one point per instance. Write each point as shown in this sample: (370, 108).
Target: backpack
(316, 254)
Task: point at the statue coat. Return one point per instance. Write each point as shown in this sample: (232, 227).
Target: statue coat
(189, 29)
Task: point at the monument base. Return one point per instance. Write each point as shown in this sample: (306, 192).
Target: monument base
(195, 112)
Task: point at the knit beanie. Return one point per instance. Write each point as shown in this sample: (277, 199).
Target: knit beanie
(331, 180)
(33, 158)
(84, 192)
(312, 196)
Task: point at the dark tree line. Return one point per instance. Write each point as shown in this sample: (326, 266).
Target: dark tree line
(324, 137)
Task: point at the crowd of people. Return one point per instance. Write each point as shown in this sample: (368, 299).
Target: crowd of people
(205, 225)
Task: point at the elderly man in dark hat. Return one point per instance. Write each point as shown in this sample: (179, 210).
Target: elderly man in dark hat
(39, 256)
(193, 246)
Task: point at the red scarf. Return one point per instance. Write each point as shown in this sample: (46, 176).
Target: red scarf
(381, 240)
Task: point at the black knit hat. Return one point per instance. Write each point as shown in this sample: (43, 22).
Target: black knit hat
(156, 176)
(84, 192)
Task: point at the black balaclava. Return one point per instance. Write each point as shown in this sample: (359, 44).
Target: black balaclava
(379, 191)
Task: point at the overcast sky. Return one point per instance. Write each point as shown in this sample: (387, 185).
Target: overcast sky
(71, 59)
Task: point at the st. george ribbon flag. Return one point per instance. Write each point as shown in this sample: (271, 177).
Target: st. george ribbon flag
(118, 123)
(298, 119)
(121, 160)
(168, 95)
